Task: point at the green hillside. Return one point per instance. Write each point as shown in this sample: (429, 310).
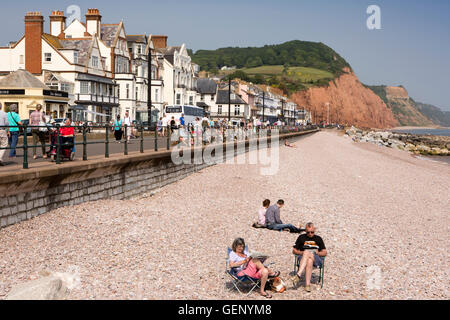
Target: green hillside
(292, 54)
(435, 114)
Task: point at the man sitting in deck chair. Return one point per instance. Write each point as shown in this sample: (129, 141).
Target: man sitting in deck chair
(243, 267)
(311, 249)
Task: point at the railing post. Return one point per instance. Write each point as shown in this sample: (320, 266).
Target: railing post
(125, 146)
(25, 147)
(58, 145)
(107, 141)
(142, 138)
(156, 138)
(84, 142)
(169, 135)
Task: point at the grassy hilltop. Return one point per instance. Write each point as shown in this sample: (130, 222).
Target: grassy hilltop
(290, 66)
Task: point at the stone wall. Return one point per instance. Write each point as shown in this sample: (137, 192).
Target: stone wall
(30, 193)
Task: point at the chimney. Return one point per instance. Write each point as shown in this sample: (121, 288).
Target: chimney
(160, 42)
(57, 24)
(34, 29)
(93, 21)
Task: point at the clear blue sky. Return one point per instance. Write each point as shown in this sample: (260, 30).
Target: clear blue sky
(412, 49)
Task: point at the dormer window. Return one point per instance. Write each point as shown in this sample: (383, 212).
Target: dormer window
(48, 57)
(75, 57)
(94, 61)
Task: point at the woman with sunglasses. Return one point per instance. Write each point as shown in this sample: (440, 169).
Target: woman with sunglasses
(311, 249)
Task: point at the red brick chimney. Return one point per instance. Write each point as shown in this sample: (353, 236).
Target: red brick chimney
(57, 24)
(34, 28)
(160, 42)
(93, 22)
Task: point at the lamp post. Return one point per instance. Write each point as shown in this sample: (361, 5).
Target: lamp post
(229, 100)
(263, 106)
(149, 88)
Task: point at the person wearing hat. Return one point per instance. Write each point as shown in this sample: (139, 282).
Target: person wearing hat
(14, 122)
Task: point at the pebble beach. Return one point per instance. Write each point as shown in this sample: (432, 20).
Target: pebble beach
(384, 216)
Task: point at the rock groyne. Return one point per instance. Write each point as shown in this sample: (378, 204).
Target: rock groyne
(417, 144)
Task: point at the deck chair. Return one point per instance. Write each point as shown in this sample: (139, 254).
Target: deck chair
(297, 259)
(240, 281)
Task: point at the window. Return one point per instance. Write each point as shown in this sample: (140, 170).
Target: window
(157, 95)
(84, 87)
(219, 109)
(128, 91)
(237, 110)
(212, 97)
(93, 88)
(94, 61)
(21, 59)
(178, 99)
(65, 87)
(191, 100)
(48, 57)
(137, 94)
(75, 57)
(139, 49)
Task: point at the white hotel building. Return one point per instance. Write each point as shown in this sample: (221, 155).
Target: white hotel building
(103, 70)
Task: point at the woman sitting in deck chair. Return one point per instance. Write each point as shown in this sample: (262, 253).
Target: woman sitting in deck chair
(245, 266)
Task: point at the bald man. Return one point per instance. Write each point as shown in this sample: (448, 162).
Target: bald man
(311, 250)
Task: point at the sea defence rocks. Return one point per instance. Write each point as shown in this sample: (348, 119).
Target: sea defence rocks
(417, 144)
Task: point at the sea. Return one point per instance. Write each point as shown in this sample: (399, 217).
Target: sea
(434, 132)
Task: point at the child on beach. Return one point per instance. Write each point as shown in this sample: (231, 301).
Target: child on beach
(262, 215)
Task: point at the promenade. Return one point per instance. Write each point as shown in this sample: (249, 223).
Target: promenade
(383, 215)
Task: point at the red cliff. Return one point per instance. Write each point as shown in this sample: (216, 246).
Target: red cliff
(346, 101)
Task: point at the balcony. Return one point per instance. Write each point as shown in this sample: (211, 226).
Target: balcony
(96, 99)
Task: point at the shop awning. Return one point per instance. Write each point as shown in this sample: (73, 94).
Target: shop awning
(78, 108)
(96, 113)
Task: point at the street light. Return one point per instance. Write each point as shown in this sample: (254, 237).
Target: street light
(149, 86)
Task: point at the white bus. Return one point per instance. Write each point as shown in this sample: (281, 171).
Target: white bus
(190, 113)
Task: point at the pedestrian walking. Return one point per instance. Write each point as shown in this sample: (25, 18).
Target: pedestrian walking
(37, 119)
(4, 132)
(14, 122)
(127, 122)
(118, 124)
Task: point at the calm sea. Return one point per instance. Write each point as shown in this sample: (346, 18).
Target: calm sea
(434, 132)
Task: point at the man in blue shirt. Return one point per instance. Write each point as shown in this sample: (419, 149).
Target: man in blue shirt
(182, 120)
(273, 219)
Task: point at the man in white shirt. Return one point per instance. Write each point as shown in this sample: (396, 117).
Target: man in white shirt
(127, 122)
(165, 121)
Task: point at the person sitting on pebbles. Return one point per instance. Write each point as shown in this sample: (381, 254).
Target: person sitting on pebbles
(287, 144)
(244, 265)
(311, 250)
(273, 219)
(262, 215)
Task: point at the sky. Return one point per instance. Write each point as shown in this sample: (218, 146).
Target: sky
(412, 48)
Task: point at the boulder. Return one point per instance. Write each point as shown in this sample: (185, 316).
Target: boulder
(48, 288)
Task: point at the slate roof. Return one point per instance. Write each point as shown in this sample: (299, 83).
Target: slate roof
(206, 86)
(222, 98)
(169, 53)
(82, 46)
(22, 79)
(108, 33)
(137, 38)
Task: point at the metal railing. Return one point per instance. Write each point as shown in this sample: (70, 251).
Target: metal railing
(58, 144)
